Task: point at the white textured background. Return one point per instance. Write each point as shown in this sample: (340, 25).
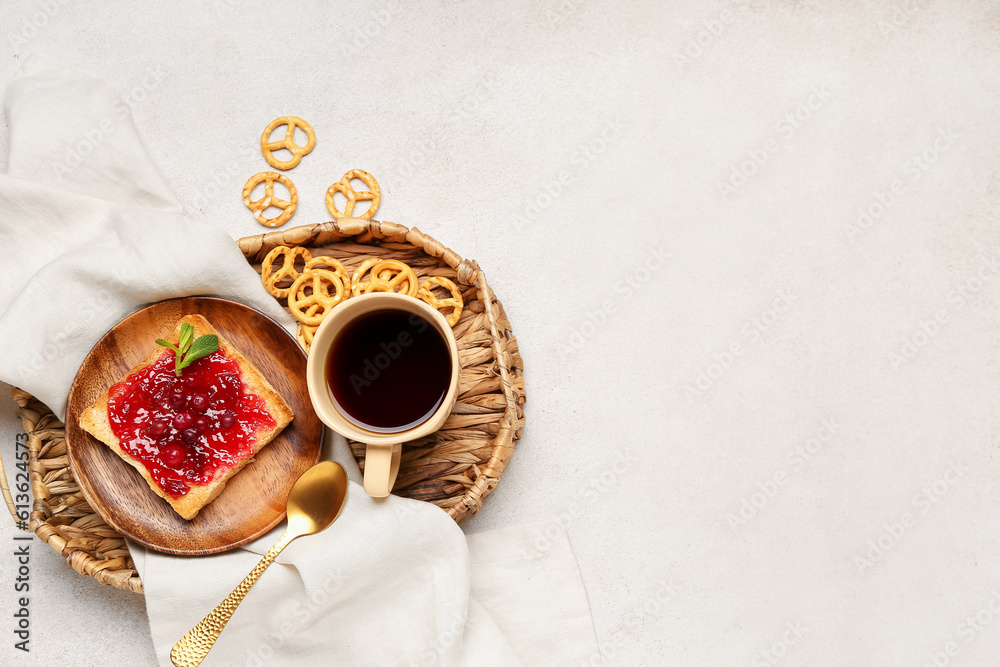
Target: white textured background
(568, 144)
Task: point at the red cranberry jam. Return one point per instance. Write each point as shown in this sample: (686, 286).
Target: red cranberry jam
(186, 429)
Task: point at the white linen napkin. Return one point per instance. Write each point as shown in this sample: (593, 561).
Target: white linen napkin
(89, 232)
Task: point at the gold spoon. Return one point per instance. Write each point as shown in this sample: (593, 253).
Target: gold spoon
(314, 503)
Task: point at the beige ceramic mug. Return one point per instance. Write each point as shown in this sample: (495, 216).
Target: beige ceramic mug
(383, 450)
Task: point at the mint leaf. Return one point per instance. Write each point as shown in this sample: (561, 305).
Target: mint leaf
(186, 337)
(160, 341)
(201, 347)
(177, 354)
(189, 349)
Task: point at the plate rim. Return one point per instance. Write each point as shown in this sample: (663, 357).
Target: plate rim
(70, 428)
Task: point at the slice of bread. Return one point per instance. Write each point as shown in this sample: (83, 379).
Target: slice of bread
(95, 421)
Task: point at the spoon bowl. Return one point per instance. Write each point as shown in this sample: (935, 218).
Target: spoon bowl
(316, 498)
(314, 502)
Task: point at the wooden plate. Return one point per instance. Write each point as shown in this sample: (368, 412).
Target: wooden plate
(253, 501)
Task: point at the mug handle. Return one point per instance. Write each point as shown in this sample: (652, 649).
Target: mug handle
(381, 468)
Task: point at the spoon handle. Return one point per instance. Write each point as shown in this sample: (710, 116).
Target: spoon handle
(195, 645)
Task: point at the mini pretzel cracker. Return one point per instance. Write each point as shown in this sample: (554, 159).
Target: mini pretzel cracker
(287, 272)
(288, 143)
(426, 294)
(314, 294)
(359, 275)
(305, 336)
(387, 275)
(343, 186)
(258, 206)
(333, 264)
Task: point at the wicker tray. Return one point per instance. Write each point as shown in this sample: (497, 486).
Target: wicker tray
(455, 468)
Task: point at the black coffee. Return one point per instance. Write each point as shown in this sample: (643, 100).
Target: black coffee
(388, 370)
